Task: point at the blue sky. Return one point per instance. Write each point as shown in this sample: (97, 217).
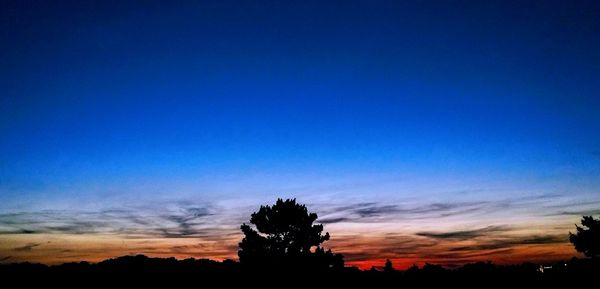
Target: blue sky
(110, 103)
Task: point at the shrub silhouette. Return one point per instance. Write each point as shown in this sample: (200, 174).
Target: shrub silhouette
(284, 238)
(587, 241)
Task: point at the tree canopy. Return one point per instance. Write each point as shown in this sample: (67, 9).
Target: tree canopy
(587, 238)
(284, 235)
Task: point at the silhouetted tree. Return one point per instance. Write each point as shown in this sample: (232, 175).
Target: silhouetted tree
(587, 241)
(388, 266)
(285, 235)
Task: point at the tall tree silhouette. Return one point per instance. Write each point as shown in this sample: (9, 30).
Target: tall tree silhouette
(388, 266)
(284, 236)
(587, 241)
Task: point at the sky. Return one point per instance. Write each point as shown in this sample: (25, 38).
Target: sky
(420, 131)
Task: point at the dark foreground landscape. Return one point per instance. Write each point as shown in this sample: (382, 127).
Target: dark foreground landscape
(144, 270)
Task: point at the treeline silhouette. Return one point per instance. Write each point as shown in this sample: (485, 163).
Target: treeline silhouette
(282, 248)
(142, 269)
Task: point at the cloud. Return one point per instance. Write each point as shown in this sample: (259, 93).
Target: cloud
(464, 234)
(27, 247)
(49, 222)
(409, 249)
(17, 231)
(170, 221)
(590, 212)
(370, 230)
(5, 258)
(376, 212)
(509, 242)
(547, 239)
(527, 205)
(454, 257)
(186, 222)
(356, 248)
(333, 220)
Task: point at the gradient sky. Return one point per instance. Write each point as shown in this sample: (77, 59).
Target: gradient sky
(420, 131)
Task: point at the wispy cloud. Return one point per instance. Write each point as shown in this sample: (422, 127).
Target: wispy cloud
(179, 221)
(17, 231)
(457, 257)
(538, 205)
(547, 239)
(187, 222)
(464, 234)
(27, 247)
(334, 220)
(474, 240)
(590, 212)
(408, 249)
(376, 212)
(509, 242)
(361, 231)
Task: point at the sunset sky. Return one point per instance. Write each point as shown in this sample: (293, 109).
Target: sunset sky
(419, 131)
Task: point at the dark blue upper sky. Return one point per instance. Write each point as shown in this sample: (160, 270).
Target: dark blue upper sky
(149, 93)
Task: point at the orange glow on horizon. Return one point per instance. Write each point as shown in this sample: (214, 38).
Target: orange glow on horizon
(50, 249)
